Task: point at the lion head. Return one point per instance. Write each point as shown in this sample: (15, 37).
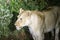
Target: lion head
(23, 19)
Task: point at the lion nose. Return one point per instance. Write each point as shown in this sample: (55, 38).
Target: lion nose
(15, 24)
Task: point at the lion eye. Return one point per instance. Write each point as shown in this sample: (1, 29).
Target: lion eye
(20, 18)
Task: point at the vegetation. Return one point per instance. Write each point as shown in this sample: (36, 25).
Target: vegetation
(5, 17)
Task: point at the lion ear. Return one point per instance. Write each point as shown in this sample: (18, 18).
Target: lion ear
(29, 13)
(21, 10)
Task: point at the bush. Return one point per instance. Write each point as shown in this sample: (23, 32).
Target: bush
(5, 17)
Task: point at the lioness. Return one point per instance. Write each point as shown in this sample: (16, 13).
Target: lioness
(39, 22)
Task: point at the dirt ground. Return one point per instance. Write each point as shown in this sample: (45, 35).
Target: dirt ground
(27, 36)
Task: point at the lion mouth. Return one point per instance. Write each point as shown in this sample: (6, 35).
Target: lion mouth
(18, 28)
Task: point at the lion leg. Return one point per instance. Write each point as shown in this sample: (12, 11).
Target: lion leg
(38, 36)
(57, 33)
(53, 34)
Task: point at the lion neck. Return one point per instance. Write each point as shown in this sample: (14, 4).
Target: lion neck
(36, 23)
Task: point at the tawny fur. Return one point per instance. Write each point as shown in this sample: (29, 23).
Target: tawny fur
(39, 22)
